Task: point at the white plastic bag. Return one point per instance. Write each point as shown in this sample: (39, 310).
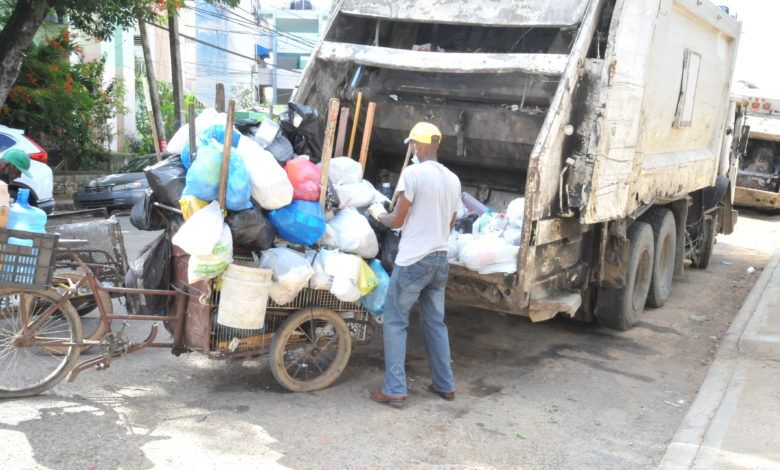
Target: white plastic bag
(483, 252)
(452, 246)
(267, 131)
(207, 118)
(354, 233)
(292, 272)
(512, 235)
(198, 235)
(360, 194)
(210, 266)
(344, 170)
(515, 212)
(321, 280)
(345, 290)
(270, 186)
(342, 265)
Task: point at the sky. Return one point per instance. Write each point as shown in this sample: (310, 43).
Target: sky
(758, 61)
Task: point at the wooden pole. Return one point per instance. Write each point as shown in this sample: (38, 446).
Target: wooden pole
(158, 127)
(406, 163)
(177, 81)
(367, 134)
(223, 173)
(219, 101)
(193, 145)
(155, 139)
(341, 136)
(355, 124)
(327, 148)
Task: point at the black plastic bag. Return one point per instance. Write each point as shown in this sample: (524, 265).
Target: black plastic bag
(166, 178)
(332, 200)
(251, 229)
(280, 148)
(307, 137)
(466, 224)
(389, 250)
(151, 270)
(145, 216)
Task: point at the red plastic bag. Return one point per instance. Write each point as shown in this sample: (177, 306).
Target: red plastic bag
(305, 178)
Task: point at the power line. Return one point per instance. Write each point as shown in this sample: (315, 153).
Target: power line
(227, 51)
(242, 22)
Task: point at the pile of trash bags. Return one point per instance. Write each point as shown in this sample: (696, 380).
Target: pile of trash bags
(273, 212)
(486, 241)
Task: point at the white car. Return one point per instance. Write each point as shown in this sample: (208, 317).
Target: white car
(42, 182)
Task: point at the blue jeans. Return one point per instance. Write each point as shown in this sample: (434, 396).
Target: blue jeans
(425, 281)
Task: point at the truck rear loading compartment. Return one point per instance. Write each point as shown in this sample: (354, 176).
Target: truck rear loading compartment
(552, 101)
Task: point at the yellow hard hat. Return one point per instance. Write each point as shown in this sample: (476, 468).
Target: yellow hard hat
(423, 132)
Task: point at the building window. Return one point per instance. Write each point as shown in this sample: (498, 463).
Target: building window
(288, 61)
(690, 81)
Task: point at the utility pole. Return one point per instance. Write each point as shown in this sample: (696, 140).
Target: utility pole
(154, 97)
(176, 66)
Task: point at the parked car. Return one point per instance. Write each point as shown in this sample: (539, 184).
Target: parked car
(41, 185)
(15, 138)
(118, 191)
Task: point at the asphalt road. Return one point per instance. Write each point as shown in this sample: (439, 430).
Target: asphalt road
(553, 395)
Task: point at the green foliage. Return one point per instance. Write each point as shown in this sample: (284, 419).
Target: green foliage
(245, 98)
(64, 106)
(142, 142)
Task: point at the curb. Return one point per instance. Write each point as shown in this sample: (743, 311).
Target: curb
(761, 339)
(686, 443)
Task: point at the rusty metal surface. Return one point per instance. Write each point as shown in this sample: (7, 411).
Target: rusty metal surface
(487, 12)
(757, 198)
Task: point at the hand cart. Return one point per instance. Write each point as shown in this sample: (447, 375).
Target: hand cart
(308, 342)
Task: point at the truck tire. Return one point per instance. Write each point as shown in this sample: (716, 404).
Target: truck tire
(661, 220)
(620, 309)
(700, 257)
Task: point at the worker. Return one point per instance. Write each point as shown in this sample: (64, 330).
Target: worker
(427, 203)
(13, 164)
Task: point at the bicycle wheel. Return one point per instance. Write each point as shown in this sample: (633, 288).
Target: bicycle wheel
(310, 350)
(29, 367)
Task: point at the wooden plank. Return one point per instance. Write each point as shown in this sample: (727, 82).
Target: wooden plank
(327, 148)
(355, 124)
(367, 134)
(219, 100)
(449, 62)
(223, 173)
(341, 135)
(193, 145)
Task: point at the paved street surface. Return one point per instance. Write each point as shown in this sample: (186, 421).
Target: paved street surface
(556, 394)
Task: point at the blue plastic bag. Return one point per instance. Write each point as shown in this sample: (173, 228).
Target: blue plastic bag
(203, 178)
(374, 302)
(215, 132)
(301, 222)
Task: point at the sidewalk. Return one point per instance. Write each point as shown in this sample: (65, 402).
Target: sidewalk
(734, 422)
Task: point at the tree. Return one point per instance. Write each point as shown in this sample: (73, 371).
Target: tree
(95, 17)
(64, 103)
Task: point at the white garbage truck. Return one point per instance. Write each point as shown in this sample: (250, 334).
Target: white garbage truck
(612, 118)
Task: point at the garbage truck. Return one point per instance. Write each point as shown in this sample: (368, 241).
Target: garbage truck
(758, 179)
(612, 118)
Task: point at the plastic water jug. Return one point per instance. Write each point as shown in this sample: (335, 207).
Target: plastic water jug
(22, 216)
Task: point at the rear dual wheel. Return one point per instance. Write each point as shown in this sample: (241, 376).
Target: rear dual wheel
(620, 308)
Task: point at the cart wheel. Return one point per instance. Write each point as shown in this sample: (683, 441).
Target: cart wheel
(29, 368)
(310, 350)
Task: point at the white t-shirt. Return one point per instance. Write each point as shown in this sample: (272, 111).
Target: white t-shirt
(434, 192)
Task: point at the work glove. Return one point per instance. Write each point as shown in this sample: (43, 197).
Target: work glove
(377, 210)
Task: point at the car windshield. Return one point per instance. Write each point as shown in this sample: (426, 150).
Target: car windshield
(137, 164)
